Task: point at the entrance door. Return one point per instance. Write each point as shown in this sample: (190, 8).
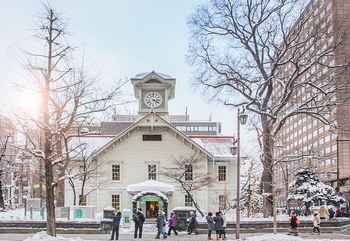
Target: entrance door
(152, 208)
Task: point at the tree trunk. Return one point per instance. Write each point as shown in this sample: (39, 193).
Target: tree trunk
(50, 195)
(2, 204)
(266, 179)
(50, 199)
(71, 183)
(195, 203)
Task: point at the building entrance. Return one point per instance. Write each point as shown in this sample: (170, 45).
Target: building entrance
(152, 209)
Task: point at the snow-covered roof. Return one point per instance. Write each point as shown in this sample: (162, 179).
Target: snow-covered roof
(143, 75)
(218, 146)
(150, 186)
(88, 144)
(157, 193)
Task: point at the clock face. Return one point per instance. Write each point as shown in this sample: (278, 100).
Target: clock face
(153, 99)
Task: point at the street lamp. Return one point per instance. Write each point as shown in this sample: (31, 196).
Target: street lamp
(241, 120)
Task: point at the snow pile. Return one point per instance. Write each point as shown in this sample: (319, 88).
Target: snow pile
(15, 214)
(42, 236)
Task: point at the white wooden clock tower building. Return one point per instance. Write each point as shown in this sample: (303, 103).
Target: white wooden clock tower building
(130, 163)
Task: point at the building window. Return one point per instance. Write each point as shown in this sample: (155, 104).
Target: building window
(188, 201)
(188, 172)
(152, 137)
(152, 172)
(222, 202)
(82, 200)
(222, 173)
(116, 172)
(116, 201)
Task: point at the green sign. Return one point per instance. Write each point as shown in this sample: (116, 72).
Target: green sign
(150, 198)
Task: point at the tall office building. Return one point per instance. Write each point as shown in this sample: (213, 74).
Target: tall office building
(306, 141)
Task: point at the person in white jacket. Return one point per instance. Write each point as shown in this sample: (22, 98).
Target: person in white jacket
(316, 223)
(224, 224)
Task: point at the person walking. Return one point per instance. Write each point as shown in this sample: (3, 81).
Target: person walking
(161, 223)
(139, 219)
(211, 225)
(192, 225)
(224, 225)
(115, 226)
(324, 214)
(316, 223)
(331, 213)
(172, 223)
(219, 226)
(294, 221)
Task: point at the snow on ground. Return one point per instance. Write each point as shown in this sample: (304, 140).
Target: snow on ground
(15, 214)
(42, 236)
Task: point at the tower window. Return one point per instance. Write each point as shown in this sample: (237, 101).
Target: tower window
(116, 172)
(152, 137)
(222, 173)
(188, 201)
(116, 201)
(152, 172)
(188, 172)
(222, 202)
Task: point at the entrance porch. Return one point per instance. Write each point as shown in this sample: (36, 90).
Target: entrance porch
(151, 197)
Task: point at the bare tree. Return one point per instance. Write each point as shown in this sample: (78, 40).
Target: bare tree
(81, 170)
(3, 148)
(68, 99)
(260, 54)
(186, 172)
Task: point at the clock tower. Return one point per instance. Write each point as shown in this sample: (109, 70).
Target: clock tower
(153, 91)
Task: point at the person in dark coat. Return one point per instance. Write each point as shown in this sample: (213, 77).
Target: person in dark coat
(139, 219)
(161, 223)
(211, 225)
(219, 226)
(115, 226)
(172, 223)
(294, 221)
(192, 225)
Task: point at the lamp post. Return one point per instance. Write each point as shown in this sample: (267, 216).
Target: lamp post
(241, 119)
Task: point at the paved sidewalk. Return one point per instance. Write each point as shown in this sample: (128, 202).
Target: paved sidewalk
(181, 237)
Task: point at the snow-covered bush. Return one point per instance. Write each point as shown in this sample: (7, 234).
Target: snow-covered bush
(307, 189)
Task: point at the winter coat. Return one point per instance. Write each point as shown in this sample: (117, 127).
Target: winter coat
(160, 221)
(324, 212)
(116, 220)
(172, 221)
(316, 220)
(211, 224)
(224, 219)
(193, 221)
(219, 223)
(294, 222)
(140, 217)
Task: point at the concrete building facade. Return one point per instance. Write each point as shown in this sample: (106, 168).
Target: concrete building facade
(306, 141)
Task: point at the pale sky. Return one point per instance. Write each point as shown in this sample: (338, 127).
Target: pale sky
(120, 39)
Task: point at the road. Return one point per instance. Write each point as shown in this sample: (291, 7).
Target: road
(181, 237)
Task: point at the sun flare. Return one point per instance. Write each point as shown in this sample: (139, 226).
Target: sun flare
(29, 102)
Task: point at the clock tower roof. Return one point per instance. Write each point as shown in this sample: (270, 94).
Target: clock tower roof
(153, 91)
(153, 80)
